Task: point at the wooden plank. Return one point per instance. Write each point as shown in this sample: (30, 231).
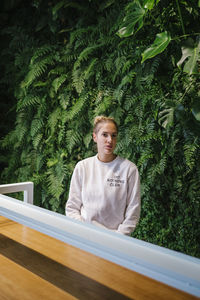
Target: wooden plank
(18, 283)
(101, 274)
(57, 274)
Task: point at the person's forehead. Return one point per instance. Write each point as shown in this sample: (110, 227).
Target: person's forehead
(108, 127)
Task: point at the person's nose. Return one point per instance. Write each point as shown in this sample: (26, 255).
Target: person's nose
(109, 138)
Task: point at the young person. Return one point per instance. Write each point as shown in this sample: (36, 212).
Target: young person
(105, 188)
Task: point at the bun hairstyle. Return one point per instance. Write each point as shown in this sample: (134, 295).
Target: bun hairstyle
(102, 119)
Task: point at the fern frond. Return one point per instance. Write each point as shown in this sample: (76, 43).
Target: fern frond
(108, 64)
(9, 139)
(126, 66)
(104, 105)
(127, 79)
(78, 107)
(38, 161)
(80, 44)
(53, 119)
(58, 70)
(87, 139)
(119, 63)
(99, 95)
(21, 131)
(90, 70)
(55, 176)
(124, 140)
(117, 114)
(22, 58)
(69, 57)
(118, 94)
(37, 140)
(151, 129)
(61, 134)
(85, 54)
(144, 158)
(157, 169)
(78, 80)
(155, 63)
(189, 153)
(64, 99)
(28, 100)
(73, 138)
(37, 69)
(149, 73)
(55, 188)
(40, 52)
(56, 84)
(80, 33)
(36, 126)
(130, 101)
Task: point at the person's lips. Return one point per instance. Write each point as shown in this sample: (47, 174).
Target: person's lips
(108, 146)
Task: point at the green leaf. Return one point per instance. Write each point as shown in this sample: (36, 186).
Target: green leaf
(106, 4)
(166, 117)
(159, 45)
(58, 82)
(149, 4)
(192, 55)
(52, 162)
(133, 20)
(196, 110)
(57, 7)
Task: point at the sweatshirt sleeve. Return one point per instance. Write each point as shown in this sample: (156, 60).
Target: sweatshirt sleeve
(74, 202)
(133, 204)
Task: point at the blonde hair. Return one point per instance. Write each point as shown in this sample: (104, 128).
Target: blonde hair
(103, 119)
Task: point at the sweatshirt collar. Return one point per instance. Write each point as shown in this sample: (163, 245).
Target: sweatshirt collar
(106, 163)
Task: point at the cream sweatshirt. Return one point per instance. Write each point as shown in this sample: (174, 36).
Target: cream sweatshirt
(105, 194)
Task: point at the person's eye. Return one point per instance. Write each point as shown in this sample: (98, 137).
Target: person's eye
(104, 134)
(114, 136)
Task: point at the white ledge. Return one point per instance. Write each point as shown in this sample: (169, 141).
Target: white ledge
(170, 267)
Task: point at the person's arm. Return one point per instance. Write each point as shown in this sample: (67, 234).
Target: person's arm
(133, 204)
(74, 202)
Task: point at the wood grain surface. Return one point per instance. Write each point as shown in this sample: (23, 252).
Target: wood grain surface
(36, 266)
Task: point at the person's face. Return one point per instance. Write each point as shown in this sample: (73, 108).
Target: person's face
(106, 139)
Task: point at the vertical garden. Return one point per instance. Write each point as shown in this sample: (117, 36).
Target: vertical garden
(64, 62)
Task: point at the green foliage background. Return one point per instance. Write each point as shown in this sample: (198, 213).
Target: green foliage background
(64, 62)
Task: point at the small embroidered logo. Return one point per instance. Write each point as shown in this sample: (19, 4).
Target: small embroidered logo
(115, 182)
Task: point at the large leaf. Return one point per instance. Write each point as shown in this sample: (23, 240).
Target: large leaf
(135, 13)
(166, 117)
(149, 4)
(159, 45)
(133, 20)
(166, 114)
(58, 6)
(196, 110)
(190, 55)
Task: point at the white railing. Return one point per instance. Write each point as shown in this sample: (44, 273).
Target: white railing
(26, 187)
(172, 268)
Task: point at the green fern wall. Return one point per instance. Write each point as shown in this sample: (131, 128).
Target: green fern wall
(69, 64)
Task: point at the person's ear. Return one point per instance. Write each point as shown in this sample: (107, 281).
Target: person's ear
(94, 137)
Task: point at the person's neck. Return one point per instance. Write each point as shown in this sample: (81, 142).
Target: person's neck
(106, 158)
